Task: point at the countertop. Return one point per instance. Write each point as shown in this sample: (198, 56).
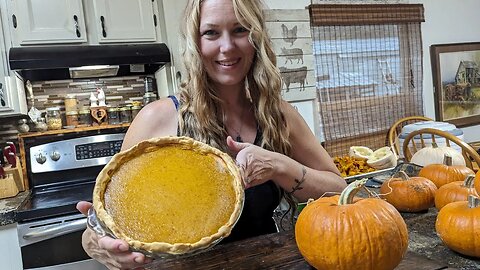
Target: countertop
(279, 251)
(8, 206)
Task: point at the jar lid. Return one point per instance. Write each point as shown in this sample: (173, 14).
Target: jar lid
(136, 107)
(150, 94)
(53, 109)
(70, 96)
(125, 109)
(112, 109)
(84, 111)
(71, 113)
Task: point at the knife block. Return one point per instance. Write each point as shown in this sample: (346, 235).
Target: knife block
(13, 184)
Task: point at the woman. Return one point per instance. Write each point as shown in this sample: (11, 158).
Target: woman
(231, 100)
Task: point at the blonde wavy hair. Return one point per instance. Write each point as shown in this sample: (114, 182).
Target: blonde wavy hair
(200, 104)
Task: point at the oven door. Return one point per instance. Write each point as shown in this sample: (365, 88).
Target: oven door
(55, 243)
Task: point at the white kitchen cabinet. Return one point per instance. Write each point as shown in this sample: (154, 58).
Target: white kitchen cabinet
(12, 94)
(35, 22)
(124, 21)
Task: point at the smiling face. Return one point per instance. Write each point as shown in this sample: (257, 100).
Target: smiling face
(226, 51)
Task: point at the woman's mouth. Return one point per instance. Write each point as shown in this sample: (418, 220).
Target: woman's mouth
(228, 63)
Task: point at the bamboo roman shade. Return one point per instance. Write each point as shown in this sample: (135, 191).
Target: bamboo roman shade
(368, 63)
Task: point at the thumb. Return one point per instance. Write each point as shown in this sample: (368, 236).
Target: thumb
(234, 146)
(83, 207)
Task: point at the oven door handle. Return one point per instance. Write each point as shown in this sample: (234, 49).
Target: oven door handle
(58, 230)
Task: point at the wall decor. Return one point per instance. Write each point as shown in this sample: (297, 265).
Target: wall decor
(456, 80)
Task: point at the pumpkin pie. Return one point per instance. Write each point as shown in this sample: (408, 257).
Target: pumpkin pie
(169, 195)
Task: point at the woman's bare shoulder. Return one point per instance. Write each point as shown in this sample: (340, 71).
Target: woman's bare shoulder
(156, 119)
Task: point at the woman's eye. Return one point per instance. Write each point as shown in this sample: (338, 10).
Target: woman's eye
(208, 33)
(240, 30)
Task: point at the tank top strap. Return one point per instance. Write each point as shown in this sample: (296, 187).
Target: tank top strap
(175, 101)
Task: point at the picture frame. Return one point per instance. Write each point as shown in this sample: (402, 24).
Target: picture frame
(456, 81)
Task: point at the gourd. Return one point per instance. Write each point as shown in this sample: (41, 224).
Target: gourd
(435, 155)
(339, 232)
(442, 174)
(457, 225)
(409, 194)
(454, 192)
(361, 152)
(382, 158)
(477, 182)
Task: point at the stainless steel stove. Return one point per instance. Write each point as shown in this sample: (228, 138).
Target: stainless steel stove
(61, 172)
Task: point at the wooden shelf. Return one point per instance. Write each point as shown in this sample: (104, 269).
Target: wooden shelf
(73, 130)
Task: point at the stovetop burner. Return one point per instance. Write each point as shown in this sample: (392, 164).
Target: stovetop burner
(59, 201)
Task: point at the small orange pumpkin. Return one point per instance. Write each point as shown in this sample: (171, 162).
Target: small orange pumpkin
(477, 182)
(340, 233)
(441, 174)
(409, 194)
(457, 226)
(455, 191)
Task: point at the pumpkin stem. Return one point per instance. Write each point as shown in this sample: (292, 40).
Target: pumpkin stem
(349, 192)
(473, 202)
(469, 181)
(447, 159)
(434, 145)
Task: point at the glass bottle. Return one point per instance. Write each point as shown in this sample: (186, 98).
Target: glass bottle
(84, 118)
(23, 127)
(54, 118)
(72, 118)
(113, 116)
(41, 125)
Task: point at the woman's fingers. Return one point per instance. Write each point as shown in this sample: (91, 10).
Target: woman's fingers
(83, 207)
(114, 245)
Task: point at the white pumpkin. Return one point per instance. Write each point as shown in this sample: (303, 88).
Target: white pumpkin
(435, 154)
(361, 152)
(382, 158)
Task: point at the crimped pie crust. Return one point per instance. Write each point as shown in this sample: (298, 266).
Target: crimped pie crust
(151, 145)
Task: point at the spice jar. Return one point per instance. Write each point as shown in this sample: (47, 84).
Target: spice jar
(72, 118)
(54, 118)
(41, 125)
(84, 117)
(135, 110)
(125, 115)
(70, 103)
(113, 116)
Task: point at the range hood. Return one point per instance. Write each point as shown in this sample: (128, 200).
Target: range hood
(65, 62)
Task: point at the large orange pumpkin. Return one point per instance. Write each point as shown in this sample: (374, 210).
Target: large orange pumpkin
(454, 192)
(441, 174)
(409, 194)
(458, 227)
(340, 233)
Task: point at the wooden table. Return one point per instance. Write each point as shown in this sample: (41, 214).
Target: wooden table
(272, 251)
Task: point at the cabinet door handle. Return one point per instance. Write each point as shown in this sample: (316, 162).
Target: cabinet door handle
(102, 21)
(2, 100)
(77, 30)
(14, 21)
(155, 20)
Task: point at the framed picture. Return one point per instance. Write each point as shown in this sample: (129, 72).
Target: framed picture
(456, 81)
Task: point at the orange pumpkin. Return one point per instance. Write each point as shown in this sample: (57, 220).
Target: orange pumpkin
(454, 192)
(477, 182)
(409, 194)
(457, 226)
(441, 174)
(339, 232)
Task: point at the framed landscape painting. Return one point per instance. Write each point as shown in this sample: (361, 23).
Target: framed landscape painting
(456, 80)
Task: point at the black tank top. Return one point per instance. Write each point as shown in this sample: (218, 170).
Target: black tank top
(260, 202)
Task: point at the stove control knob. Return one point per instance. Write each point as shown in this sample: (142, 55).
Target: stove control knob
(40, 158)
(55, 155)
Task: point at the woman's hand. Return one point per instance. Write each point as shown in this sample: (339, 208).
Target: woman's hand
(257, 165)
(113, 253)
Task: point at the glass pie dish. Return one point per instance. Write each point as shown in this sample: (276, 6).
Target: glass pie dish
(168, 196)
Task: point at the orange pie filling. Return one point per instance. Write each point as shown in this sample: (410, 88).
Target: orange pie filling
(169, 195)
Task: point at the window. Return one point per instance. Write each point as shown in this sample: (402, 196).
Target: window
(368, 61)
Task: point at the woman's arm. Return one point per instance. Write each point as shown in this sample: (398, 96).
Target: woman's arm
(310, 165)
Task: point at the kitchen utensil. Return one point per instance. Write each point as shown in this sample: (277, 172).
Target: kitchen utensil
(33, 113)
(2, 173)
(12, 146)
(12, 159)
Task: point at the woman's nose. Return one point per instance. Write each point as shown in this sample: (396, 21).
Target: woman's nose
(227, 43)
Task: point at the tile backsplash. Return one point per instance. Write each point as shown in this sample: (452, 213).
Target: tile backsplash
(119, 91)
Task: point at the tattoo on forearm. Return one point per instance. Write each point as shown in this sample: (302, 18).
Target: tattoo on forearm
(299, 182)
